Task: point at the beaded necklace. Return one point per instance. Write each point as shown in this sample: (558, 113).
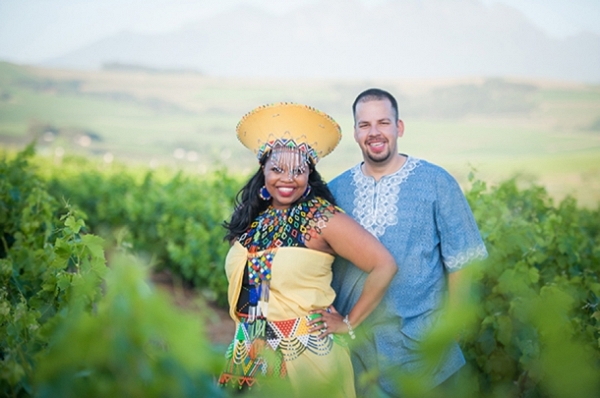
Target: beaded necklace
(293, 226)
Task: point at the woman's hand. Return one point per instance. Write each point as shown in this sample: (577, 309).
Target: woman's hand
(327, 321)
(354, 243)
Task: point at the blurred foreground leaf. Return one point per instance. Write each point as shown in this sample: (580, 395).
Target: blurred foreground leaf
(136, 344)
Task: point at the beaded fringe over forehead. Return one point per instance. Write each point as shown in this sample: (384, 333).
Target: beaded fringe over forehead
(290, 160)
(289, 125)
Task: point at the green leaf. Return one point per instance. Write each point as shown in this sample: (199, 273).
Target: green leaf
(64, 281)
(534, 275)
(95, 245)
(74, 224)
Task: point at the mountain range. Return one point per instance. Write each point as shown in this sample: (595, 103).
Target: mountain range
(346, 39)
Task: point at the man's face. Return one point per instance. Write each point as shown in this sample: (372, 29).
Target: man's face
(377, 130)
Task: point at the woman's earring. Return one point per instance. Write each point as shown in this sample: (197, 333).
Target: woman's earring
(264, 194)
(306, 192)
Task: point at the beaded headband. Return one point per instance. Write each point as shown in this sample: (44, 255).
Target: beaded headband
(289, 125)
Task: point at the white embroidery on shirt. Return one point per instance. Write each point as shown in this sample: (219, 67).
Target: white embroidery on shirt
(375, 202)
(459, 261)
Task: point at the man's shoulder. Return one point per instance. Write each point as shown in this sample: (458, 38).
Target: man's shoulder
(428, 166)
(341, 179)
(432, 170)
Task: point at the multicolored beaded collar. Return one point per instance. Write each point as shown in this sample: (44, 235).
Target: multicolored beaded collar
(294, 226)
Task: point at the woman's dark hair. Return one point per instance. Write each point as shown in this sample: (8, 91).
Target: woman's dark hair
(248, 205)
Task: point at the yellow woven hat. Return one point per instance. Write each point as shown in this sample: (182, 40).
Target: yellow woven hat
(289, 125)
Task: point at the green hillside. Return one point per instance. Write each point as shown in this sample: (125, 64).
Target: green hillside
(545, 130)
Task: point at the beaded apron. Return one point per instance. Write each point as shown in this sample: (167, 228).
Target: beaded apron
(285, 340)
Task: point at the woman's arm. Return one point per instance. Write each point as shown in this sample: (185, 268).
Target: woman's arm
(351, 241)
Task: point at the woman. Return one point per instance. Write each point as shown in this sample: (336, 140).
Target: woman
(285, 232)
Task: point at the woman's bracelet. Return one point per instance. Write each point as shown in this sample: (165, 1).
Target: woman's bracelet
(350, 329)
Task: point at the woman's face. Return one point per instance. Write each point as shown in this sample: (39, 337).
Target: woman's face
(286, 179)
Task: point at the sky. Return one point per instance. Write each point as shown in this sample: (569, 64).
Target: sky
(35, 30)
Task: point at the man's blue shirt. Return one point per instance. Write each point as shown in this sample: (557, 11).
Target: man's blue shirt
(422, 217)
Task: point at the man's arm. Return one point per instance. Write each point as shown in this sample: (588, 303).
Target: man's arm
(459, 288)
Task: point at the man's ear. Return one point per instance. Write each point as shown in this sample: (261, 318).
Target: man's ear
(400, 127)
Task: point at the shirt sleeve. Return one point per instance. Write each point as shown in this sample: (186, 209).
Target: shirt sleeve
(460, 240)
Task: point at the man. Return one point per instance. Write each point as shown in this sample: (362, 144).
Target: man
(418, 211)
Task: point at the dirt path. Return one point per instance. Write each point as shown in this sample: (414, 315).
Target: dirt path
(220, 327)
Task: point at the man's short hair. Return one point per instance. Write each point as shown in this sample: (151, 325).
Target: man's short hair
(375, 94)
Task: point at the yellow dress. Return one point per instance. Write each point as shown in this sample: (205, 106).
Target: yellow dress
(300, 281)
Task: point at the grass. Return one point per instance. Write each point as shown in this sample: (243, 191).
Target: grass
(545, 130)
(588, 95)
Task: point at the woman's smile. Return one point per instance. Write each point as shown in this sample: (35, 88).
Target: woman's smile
(286, 191)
